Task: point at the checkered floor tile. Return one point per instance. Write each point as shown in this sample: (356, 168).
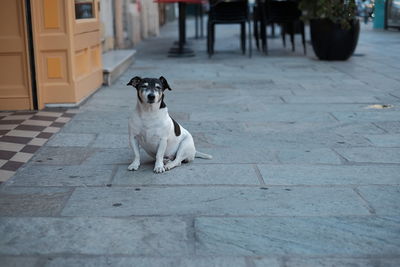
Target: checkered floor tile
(23, 133)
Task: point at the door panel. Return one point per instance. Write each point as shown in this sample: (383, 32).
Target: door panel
(87, 49)
(67, 51)
(15, 84)
(52, 32)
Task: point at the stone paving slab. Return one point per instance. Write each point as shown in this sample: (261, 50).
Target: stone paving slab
(371, 154)
(115, 126)
(27, 201)
(240, 100)
(202, 108)
(189, 174)
(19, 261)
(315, 156)
(110, 156)
(111, 141)
(91, 236)
(331, 262)
(250, 201)
(87, 175)
(385, 200)
(332, 99)
(303, 236)
(329, 175)
(255, 117)
(367, 116)
(208, 131)
(62, 156)
(358, 128)
(299, 139)
(71, 140)
(147, 261)
(310, 108)
(384, 140)
(389, 126)
(239, 155)
(107, 115)
(335, 90)
(342, 129)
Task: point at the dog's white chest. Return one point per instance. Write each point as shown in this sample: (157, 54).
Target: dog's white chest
(149, 132)
(149, 140)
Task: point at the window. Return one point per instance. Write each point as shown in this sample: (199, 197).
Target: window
(84, 9)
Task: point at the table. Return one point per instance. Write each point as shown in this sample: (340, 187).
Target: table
(182, 50)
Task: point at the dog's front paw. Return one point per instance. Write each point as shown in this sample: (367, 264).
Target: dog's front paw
(159, 169)
(134, 166)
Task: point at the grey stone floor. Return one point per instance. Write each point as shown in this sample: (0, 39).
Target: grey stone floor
(305, 172)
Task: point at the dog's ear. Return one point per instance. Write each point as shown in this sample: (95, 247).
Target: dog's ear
(134, 81)
(164, 83)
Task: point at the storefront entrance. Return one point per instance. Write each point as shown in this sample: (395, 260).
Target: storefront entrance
(66, 62)
(15, 80)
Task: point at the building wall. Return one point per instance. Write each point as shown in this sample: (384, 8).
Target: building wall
(126, 22)
(134, 25)
(107, 24)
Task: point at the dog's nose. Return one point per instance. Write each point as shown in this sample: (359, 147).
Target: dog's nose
(151, 97)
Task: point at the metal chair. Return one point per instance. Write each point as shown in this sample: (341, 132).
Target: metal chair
(283, 12)
(228, 12)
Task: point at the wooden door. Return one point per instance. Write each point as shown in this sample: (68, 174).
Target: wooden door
(15, 83)
(67, 50)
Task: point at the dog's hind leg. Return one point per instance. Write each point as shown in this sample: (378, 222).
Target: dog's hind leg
(186, 152)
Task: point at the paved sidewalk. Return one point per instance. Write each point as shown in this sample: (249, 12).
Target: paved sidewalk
(306, 170)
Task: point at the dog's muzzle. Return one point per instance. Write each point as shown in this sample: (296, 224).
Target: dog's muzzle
(151, 98)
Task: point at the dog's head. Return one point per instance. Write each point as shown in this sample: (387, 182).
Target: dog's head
(150, 90)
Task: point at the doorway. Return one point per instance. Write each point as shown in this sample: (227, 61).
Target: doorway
(16, 68)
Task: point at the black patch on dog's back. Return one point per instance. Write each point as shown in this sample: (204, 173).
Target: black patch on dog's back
(177, 128)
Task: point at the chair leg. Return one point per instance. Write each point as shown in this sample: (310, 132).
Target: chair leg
(209, 38)
(212, 38)
(303, 37)
(265, 41)
(263, 26)
(196, 21)
(283, 34)
(255, 27)
(250, 44)
(263, 31)
(243, 37)
(273, 30)
(292, 36)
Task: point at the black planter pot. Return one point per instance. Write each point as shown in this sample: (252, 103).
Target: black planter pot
(331, 42)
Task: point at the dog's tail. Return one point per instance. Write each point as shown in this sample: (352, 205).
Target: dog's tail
(202, 155)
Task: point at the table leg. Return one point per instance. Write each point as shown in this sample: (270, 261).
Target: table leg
(181, 50)
(182, 24)
(201, 22)
(196, 21)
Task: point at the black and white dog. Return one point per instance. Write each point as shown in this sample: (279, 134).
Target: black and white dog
(157, 133)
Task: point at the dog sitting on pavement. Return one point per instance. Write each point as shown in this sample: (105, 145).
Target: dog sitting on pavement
(158, 134)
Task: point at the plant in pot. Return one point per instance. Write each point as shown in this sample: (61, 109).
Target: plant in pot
(334, 27)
